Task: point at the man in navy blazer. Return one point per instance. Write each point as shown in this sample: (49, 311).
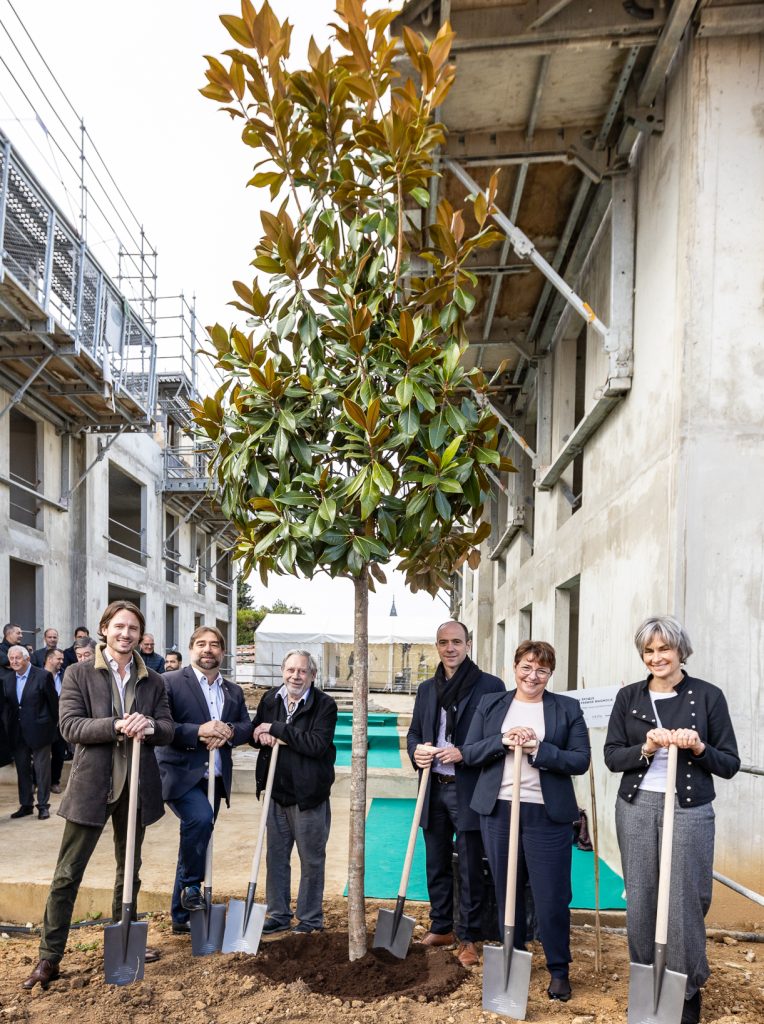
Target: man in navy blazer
(442, 714)
(31, 720)
(209, 714)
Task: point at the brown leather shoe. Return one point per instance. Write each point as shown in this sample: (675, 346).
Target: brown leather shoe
(467, 954)
(152, 955)
(433, 939)
(44, 973)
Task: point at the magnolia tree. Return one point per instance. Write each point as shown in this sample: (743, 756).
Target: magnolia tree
(347, 431)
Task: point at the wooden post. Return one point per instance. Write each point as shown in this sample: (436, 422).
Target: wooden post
(357, 849)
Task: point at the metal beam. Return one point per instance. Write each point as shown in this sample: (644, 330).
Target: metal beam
(549, 10)
(677, 21)
(530, 46)
(736, 20)
(19, 394)
(524, 247)
(586, 427)
(101, 452)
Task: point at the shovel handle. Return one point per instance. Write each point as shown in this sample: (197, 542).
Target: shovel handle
(514, 834)
(132, 815)
(423, 782)
(255, 871)
(211, 798)
(667, 842)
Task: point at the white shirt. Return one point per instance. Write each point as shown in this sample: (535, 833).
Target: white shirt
(214, 698)
(531, 714)
(655, 776)
(284, 694)
(118, 678)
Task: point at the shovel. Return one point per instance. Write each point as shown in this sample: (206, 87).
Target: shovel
(124, 944)
(507, 971)
(207, 925)
(244, 923)
(394, 928)
(656, 995)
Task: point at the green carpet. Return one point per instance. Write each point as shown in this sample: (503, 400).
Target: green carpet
(387, 830)
(383, 740)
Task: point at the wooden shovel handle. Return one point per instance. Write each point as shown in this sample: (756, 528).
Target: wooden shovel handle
(667, 842)
(514, 833)
(132, 815)
(211, 798)
(255, 870)
(402, 889)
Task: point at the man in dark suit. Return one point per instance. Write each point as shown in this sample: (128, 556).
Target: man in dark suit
(148, 653)
(443, 710)
(54, 663)
(50, 636)
(70, 654)
(209, 714)
(31, 710)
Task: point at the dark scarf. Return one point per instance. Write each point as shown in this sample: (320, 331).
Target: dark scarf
(451, 691)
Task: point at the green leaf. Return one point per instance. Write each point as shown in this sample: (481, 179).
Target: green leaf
(421, 195)
(409, 420)
(404, 392)
(450, 452)
(449, 485)
(464, 300)
(442, 505)
(438, 429)
(424, 397)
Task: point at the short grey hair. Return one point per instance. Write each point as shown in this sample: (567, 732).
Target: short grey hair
(312, 663)
(82, 642)
(670, 630)
(18, 647)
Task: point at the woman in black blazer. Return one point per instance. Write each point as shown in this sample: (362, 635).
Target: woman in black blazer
(548, 806)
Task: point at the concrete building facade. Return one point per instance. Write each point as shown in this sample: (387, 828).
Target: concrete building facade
(640, 455)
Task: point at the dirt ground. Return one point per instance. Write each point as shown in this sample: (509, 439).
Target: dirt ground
(308, 978)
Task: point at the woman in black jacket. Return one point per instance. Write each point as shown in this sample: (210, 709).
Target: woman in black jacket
(669, 707)
(548, 807)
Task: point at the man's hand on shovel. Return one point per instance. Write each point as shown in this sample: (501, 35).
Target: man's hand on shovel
(134, 726)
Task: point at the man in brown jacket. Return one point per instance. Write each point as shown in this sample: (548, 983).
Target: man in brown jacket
(104, 704)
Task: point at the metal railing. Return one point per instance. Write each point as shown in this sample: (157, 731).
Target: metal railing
(54, 266)
(187, 464)
(126, 542)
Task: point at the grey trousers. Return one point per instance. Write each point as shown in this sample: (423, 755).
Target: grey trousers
(639, 827)
(310, 831)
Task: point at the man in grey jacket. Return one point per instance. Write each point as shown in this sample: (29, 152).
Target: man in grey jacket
(104, 704)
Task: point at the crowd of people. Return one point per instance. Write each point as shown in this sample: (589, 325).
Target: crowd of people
(467, 727)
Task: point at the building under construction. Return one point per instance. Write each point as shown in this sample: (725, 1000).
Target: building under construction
(104, 492)
(626, 304)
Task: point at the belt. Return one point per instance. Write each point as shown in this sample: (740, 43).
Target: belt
(444, 780)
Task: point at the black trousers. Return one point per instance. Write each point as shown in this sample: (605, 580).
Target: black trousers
(544, 859)
(32, 768)
(439, 844)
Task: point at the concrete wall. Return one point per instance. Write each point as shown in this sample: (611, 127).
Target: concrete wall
(673, 481)
(72, 547)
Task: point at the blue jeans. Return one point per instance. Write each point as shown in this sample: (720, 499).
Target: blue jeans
(310, 831)
(196, 824)
(544, 858)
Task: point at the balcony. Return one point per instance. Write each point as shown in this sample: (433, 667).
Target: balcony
(189, 490)
(70, 343)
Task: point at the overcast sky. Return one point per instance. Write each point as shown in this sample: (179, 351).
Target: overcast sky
(132, 72)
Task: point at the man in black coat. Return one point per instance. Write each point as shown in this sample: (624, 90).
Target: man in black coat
(209, 714)
(70, 656)
(303, 718)
(50, 636)
(443, 710)
(31, 719)
(12, 634)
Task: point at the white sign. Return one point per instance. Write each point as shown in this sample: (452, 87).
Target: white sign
(596, 704)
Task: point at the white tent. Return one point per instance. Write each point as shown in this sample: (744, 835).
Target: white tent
(322, 633)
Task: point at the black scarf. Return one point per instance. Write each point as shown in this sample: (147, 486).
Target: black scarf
(451, 691)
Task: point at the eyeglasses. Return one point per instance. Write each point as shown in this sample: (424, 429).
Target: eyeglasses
(526, 671)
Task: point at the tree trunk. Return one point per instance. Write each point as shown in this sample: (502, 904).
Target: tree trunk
(357, 851)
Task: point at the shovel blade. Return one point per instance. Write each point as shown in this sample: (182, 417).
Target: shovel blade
(237, 938)
(641, 996)
(509, 999)
(207, 928)
(394, 940)
(123, 963)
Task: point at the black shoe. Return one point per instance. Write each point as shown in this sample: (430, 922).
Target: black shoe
(559, 988)
(181, 927)
(191, 898)
(272, 927)
(691, 1011)
(22, 812)
(304, 929)
(43, 813)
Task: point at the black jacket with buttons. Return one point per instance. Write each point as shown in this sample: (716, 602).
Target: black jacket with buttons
(698, 705)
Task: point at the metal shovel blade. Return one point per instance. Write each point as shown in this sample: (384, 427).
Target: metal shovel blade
(642, 996)
(207, 928)
(124, 951)
(510, 997)
(394, 931)
(239, 938)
